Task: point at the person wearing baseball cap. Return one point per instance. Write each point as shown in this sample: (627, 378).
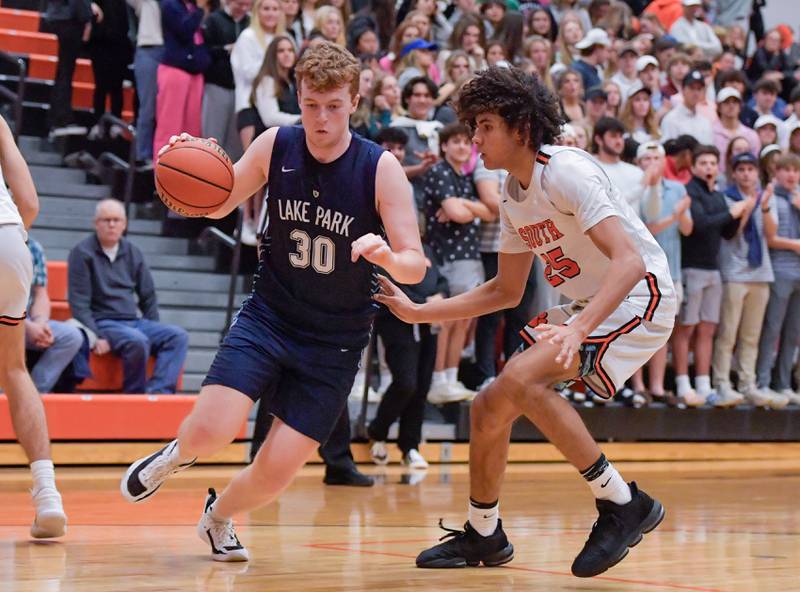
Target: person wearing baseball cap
(638, 115)
(746, 272)
(690, 29)
(665, 212)
(769, 129)
(594, 55)
(684, 118)
(596, 104)
(647, 69)
(626, 76)
(728, 126)
(416, 57)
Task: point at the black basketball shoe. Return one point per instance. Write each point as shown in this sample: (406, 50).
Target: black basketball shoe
(468, 548)
(617, 528)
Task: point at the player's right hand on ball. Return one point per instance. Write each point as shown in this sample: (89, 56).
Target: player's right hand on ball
(184, 137)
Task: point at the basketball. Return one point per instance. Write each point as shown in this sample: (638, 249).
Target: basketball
(194, 177)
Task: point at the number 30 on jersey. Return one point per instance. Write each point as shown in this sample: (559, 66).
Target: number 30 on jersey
(319, 253)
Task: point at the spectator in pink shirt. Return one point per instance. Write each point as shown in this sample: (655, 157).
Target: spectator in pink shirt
(728, 125)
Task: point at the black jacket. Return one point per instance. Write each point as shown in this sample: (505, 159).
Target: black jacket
(712, 223)
(219, 30)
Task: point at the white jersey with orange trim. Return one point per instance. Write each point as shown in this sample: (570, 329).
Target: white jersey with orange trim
(567, 195)
(9, 214)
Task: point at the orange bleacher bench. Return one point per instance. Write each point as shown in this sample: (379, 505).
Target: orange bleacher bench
(109, 417)
(28, 42)
(107, 369)
(19, 20)
(107, 374)
(43, 67)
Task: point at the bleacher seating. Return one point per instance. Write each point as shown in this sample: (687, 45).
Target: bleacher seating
(20, 35)
(109, 417)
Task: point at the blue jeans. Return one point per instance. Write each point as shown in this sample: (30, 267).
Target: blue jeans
(67, 341)
(134, 341)
(145, 69)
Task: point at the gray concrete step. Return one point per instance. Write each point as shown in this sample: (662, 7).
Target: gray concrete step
(175, 262)
(195, 299)
(157, 245)
(57, 173)
(196, 281)
(206, 339)
(37, 157)
(54, 187)
(50, 220)
(198, 320)
(192, 381)
(76, 207)
(199, 360)
(33, 143)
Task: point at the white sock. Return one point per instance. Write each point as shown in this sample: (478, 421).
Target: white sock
(483, 517)
(175, 455)
(606, 483)
(452, 374)
(682, 384)
(439, 378)
(702, 384)
(43, 474)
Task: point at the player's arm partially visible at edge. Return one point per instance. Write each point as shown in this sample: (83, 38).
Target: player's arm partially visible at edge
(250, 172)
(17, 176)
(402, 257)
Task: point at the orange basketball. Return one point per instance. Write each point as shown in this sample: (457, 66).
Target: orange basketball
(194, 177)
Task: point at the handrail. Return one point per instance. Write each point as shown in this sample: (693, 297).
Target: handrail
(19, 96)
(235, 243)
(107, 120)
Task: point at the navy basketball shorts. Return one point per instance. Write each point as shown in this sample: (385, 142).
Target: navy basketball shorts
(305, 382)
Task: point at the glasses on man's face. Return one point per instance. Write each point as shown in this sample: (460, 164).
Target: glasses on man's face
(422, 95)
(111, 221)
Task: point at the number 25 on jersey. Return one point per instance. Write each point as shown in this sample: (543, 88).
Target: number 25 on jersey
(558, 268)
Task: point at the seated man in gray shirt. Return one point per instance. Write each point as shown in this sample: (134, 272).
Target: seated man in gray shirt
(111, 292)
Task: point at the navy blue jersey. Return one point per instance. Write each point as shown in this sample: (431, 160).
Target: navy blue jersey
(316, 210)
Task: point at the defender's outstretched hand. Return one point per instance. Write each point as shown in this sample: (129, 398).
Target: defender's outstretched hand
(396, 301)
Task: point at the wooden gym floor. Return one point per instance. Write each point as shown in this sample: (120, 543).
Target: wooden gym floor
(730, 526)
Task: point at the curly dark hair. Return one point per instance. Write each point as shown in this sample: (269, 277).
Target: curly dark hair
(522, 100)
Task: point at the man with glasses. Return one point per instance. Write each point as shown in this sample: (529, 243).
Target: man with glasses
(111, 293)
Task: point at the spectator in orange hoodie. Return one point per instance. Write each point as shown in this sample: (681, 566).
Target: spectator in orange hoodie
(667, 11)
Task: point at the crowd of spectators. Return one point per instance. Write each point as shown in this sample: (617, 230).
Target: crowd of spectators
(690, 106)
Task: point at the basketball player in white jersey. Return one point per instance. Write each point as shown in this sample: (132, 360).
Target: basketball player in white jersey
(559, 205)
(17, 212)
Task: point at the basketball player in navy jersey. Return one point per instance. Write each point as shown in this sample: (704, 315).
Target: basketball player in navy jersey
(298, 337)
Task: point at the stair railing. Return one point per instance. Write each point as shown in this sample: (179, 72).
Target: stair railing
(213, 234)
(106, 121)
(16, 97)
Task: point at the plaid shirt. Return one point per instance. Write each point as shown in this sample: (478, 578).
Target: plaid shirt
(39, 264)
(39, 267)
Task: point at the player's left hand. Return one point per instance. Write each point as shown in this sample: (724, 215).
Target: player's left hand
(567, 336)
(396, 301)
(373, 248)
